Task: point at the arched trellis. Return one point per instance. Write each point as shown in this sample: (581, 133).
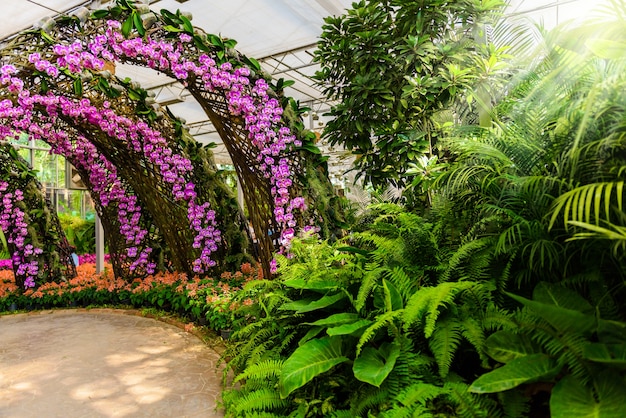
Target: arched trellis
(35, 240)
(66, 62)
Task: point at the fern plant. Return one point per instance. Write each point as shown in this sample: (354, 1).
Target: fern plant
(349, 326)
(560, 345)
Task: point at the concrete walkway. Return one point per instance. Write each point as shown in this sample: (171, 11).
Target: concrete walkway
(78, 363)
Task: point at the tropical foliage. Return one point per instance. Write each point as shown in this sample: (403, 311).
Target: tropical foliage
(492, 287)
(504, 298)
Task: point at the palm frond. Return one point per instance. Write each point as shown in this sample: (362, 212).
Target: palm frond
(590, 203)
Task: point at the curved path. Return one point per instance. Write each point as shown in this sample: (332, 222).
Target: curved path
(98, 363)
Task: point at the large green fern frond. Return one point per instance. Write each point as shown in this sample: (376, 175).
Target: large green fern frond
(469, 405)
(384, 320)
(495, 318)
(426, 305)
(443, 343)
(368, 400)
(267, 369)
(473, 332)
(405, 284)
(412, 401)
(472, 252)
(265, 399)
(371, 278)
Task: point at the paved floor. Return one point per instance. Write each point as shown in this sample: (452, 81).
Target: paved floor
(72, 363)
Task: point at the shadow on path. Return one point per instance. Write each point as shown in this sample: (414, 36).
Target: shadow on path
(72, 363)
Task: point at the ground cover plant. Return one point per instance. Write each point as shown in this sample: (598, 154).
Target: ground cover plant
(205, 301)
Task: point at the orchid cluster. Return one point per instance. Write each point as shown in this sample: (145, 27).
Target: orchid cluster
(138, 137)
(261, 113)
(84, 155)
(142, 139)
(15, 227)
(108, 189)
(106, 185)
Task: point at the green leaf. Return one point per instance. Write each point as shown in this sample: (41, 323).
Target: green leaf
(311, 333)
(49, 39)
(350, 329)
(171, 28)
(393, 299)
(134, 94)
(99, 14)
(312, 284)
(311, 148)
(373, 366)
(504, 346)
(308, 305)
(138, 24)
(570, 398)
(215, 40)
(611, 354)
(563, 320)
(310, 360)
(44, 86)
(353, 250)
(230, 43)
(199, 43)
(127, 26)
(336, 319)
(532, 368)
(253, 63)
(554, 294)
(170, 18)
(611, 332)
(187, 26)
(78, 87)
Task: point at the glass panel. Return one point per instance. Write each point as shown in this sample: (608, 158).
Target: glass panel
(51, 169)
(75, 203)
(22, 140)
(41, 144)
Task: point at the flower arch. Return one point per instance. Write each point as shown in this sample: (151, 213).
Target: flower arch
(35, 239)
(55, 86)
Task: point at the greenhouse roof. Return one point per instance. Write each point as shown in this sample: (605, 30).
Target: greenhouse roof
(281, 34)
